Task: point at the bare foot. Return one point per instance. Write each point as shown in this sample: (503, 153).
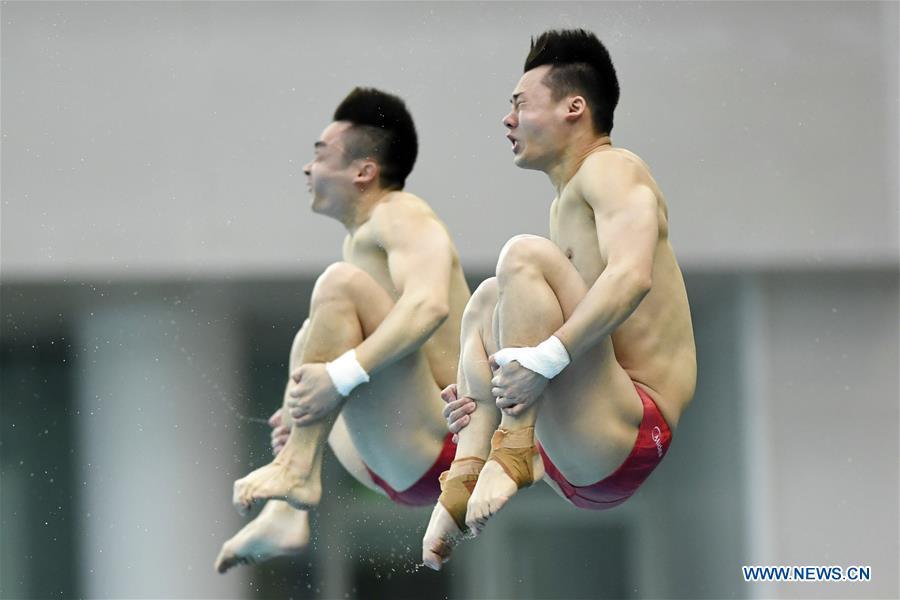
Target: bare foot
(441, 536)
(491, 493)
(279, 530)
(279, 480)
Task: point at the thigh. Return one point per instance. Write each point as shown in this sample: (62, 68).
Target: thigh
(553, 486)
(395, 421)
(346, 453)
(589, 417)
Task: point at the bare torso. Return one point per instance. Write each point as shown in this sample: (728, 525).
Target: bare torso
(655, 344)
(363, 250)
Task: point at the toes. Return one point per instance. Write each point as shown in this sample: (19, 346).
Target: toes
(473, 517)
(237, 497)
(478, 526)
(431, 560)
(440, 547)
(225, 561)
(240, 504)
(481, 522)
(434, 554)
(245, 495)
(479, 513)
(496, 504)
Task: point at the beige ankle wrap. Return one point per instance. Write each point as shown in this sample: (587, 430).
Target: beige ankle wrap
(514, 451)
(457, 485)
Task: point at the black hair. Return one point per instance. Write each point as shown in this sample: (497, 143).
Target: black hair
(580, 63)
(383, 129)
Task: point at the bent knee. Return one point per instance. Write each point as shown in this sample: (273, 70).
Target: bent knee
(338, 280)
(299, 341)
(298, 337)
(524, 250)
(482, 301)
(485, 295)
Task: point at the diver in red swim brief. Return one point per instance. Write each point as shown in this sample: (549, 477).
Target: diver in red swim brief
(381, 340)
(559, 338)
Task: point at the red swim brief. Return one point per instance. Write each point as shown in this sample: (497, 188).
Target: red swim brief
(649, 449)
(426, 490)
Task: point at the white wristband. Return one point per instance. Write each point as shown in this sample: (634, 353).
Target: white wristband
(346, 373)
(547, 358)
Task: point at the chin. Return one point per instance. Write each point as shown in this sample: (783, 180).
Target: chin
(521, 162)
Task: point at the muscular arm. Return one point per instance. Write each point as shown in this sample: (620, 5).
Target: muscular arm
(420, 258)
(626, 213)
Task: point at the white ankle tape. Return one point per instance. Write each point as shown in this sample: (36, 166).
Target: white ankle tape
(346, 373)
(547, 358)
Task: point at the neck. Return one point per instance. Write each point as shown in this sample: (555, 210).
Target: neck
(361, 210)
(573, 156)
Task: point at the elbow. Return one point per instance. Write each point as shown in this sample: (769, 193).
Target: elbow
(641, 285)
(430, 314)
(634, 285)
(436, 313)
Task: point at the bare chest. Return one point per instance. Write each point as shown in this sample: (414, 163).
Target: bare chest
(574, 230)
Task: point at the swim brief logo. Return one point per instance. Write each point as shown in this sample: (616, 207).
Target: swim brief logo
(656, 434)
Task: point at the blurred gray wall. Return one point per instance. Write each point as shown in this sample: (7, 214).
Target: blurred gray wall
(154, 221)
(152, 139)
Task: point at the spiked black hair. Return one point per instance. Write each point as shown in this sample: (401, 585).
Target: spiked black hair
(382, 129)
(580, 64)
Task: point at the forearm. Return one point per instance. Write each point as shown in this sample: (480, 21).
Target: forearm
(405, 329)
(611, 300)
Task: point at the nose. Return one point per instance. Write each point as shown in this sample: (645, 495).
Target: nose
(306, 169)
(510, 120)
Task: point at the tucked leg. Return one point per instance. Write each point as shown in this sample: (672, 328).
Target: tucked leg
(538, 290)
(347, 306)
(447, 523)
(280, 529)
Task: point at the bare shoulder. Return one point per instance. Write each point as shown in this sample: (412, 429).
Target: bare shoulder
(403, 214)
(401, 205)
(616, 181)
(615, 178)
(613, 167)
